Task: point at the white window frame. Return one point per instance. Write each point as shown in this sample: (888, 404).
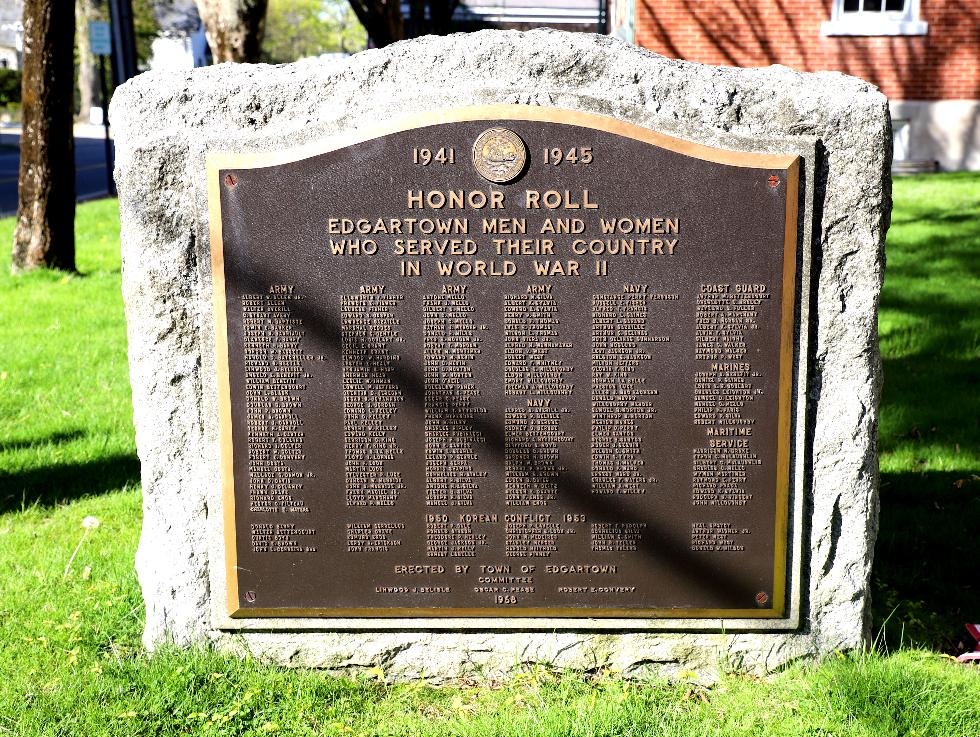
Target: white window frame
(874, 23)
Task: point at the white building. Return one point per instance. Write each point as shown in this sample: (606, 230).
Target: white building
(181, 43)
(11, 33)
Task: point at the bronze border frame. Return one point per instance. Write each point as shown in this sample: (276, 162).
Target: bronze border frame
(216, 162)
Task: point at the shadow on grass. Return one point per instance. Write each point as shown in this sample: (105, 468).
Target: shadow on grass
(931, 399)
(927, 558)
(56, 438)
(52, 485)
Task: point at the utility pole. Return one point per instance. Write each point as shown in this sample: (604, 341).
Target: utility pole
(100, 42)
(123, 41)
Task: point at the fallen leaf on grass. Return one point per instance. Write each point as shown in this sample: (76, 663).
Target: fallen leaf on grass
(695, 694)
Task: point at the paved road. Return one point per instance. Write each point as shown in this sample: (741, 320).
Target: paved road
(90, 175)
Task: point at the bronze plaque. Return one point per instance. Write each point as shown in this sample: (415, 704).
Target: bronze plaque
(505, 361)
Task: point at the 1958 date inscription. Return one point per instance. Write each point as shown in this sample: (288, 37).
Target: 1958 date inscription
(547, 379)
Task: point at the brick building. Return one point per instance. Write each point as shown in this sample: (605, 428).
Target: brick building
(923, 54)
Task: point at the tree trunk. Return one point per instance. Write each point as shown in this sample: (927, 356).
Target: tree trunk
(382, 19)
(234, 28)
(415, 26)
(87, 82)
(384, 22)
(45, 232)
(441, 16)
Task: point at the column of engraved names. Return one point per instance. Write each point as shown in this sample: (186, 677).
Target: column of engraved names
(621, 399)
(451, 346)
(533, 436)
(725, 392)
(275, 380)
(370, 329)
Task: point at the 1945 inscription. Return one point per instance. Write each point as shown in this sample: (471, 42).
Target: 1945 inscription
(507, 367)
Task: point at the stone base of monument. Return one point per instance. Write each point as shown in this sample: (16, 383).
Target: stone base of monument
(322, 562)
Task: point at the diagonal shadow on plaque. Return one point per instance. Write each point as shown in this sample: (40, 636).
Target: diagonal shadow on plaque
(657, 544)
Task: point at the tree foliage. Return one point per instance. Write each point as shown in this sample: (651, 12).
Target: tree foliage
(299, 28)
(9, 86)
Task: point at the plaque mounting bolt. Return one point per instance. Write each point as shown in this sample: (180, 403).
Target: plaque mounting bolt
(773, 181)
(762, 598)
(249, 595)
(231, 180)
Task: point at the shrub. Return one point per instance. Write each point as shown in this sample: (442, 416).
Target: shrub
(9, 86)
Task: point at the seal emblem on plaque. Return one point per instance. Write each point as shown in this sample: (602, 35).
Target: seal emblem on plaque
(499, 154)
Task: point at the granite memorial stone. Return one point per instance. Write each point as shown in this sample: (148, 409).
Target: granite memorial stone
(505, 348)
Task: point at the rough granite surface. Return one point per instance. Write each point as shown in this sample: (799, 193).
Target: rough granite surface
(164, 123)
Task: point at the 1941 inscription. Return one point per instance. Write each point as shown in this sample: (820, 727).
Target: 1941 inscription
(513, 365)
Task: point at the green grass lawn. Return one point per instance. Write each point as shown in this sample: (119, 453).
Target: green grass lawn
(71, 662)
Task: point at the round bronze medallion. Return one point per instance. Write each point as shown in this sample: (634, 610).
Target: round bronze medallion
(499, 154)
